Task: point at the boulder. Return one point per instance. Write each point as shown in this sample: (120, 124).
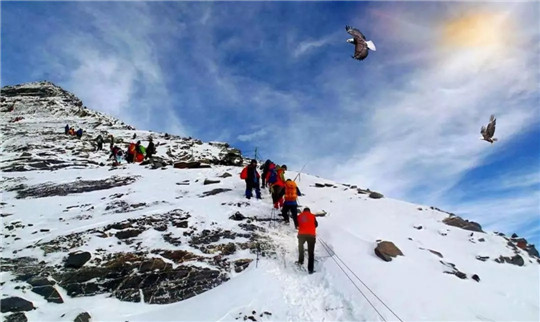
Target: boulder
(15, 304)
(190, 165)
(49, 293)
(459, 222)
(532, 251)
(376, 195)
(15, 317)
(237, 216)
(387, 250)
(83, 317)
(77, 259)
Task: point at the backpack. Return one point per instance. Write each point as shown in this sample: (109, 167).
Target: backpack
(244, 173)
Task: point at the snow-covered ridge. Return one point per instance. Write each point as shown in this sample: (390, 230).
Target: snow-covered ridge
(152, 242)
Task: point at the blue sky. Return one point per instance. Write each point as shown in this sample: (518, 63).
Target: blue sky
(278, 76)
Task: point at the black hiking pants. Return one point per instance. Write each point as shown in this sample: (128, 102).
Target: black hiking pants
(294, 213)
(310, 239)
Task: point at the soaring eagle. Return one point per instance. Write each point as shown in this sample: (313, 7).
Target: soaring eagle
(487, 133)
(361, 45)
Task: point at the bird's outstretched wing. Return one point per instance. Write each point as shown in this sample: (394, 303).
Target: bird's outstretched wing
(360, 50)
(355, 32)
(483, 131)
(490, 131)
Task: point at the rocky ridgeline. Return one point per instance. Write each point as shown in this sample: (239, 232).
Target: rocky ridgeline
(33, 117)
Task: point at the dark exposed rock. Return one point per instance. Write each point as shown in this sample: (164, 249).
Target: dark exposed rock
(515, 260)
(214, 192)
(178, 256)
(225, 175)
(386, 250)
(51, 189)
(482, 258)
(237, 216)
(376, 195)
(129, 233)
(77, 260)
(436, 253)
(190, 165)
(481, 240)
(15, 304)
(15, 317)
(83, 317)
(514, 235)
(476, 277)
(531, 250)
(319, 185)
(459, 222)
(208, 181)
(241, 264)
(49, 293)
(418, 227)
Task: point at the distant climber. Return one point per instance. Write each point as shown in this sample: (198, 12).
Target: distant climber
(290, 205)
(307, 225)
(264, 169)
(79, 133)
(277, 180)
(71, 131)
(116, 155)
(99, 141)
(150, 149)
(130, 157)
(66, 129)
(139, 152)
(111, 142)
(251, 176)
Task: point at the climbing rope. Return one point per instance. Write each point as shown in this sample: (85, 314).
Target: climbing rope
(334, 256)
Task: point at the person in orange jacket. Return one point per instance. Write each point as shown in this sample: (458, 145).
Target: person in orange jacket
(290, 205)
(307, 225)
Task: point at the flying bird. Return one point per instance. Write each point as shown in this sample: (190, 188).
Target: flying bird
(361, 45)
(487, 133)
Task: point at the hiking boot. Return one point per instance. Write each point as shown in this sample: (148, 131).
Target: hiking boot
(311, 272)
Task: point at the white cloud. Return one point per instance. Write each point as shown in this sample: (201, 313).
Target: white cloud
(307, 45)
(253, 136)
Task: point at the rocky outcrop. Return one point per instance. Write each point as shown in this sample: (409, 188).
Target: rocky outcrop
(386, 250)
(514, 260)
(376, 195)
(77, 259)
(83, 317)
(459, 222)
(15, 304)
(79, 186)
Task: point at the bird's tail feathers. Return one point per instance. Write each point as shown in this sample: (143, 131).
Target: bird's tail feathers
(494, 139)
(371, 45)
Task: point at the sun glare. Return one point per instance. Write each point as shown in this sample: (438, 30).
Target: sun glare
(477, 30)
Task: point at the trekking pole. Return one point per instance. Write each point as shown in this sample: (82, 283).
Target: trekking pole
(258, 251)
(300, 171)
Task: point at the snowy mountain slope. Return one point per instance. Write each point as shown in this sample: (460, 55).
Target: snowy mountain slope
(163, 246)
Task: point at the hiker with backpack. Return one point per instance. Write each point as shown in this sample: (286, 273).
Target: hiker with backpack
(79, 133)
(290, 205)
(307, 226)
(251, 176)
(264, 169)
(150, 149)
(99, 141)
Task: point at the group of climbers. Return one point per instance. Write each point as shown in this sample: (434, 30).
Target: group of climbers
(135, 151)
(71, 131)
(284, 193)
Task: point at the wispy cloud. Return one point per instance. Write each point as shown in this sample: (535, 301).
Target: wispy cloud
(310, 45)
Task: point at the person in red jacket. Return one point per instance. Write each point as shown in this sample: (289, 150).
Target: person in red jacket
(307, 224)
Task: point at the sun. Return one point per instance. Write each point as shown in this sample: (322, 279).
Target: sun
(476, 31)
